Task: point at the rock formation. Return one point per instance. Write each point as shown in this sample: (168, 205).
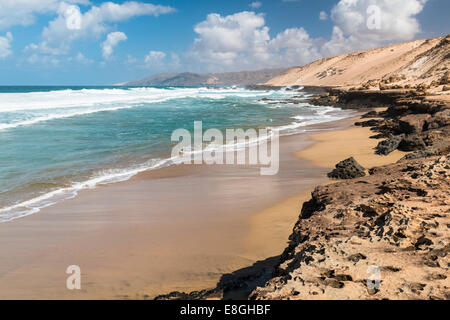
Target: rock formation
(395, 221)
(347, 169)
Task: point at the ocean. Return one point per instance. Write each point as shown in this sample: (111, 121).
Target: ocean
(56, 141)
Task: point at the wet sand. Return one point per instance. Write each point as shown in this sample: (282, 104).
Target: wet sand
(178, 228)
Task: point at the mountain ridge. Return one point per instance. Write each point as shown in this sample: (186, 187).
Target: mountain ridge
(195, 79)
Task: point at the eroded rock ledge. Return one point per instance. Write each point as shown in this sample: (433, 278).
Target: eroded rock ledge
(396, 219)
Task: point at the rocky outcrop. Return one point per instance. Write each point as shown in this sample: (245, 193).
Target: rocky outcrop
(413, 123)
(387, 146)
(410, 123)
(381, 236)
(347, 169)
(412, 142)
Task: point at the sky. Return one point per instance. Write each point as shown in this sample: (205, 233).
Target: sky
(95, 42)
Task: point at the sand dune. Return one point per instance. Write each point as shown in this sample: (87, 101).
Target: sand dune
(397, 66)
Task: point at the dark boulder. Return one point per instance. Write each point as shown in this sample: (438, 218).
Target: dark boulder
(412, 142)
(387, 146)
(347, 169)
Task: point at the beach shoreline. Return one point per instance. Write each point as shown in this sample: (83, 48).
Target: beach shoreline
(126, 236)
(253, 231)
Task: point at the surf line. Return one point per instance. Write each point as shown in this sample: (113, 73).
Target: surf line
(233, 152)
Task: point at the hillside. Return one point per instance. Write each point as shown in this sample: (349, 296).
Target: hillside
(195, 79)
(397, 66)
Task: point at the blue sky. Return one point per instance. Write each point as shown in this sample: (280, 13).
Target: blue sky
(89, 42)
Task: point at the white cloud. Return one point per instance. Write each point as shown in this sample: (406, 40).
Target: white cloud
(42, 60)
(112, 40)
(5, 45)
(161, 61)
(255, 5)
(154, 58)
(364, 24)
(23, 12)
(242, 40)
(293, 47)
(72, 24)
(80, 58)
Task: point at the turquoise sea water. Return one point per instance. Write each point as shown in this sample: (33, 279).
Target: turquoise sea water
(55, 141)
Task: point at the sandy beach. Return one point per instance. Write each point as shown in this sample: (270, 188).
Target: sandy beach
(178, 228)
(257, 151)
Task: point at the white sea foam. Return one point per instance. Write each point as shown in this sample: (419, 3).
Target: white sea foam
(54, 116)
(37, 107)
(10, 102)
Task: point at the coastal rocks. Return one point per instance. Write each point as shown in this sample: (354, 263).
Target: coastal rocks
(370, 114)
(440, 119)
(395, 221)
(194, 295)
(412, 142)
(387, 146)
(347, 169)
(445, 78)
(325, 99)
(420, 154)
(369, 123)
(441, 147)
(412, 123)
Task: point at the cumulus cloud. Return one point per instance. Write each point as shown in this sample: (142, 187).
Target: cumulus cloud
(242, 40)
(363, 24)
(112, 40)
(71, 23)
(161, 61)
(294, 46)
(23, 12)
(5, 45)
(255, 5)
(154, 58)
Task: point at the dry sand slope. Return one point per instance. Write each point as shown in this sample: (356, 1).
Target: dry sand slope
(396, 66)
